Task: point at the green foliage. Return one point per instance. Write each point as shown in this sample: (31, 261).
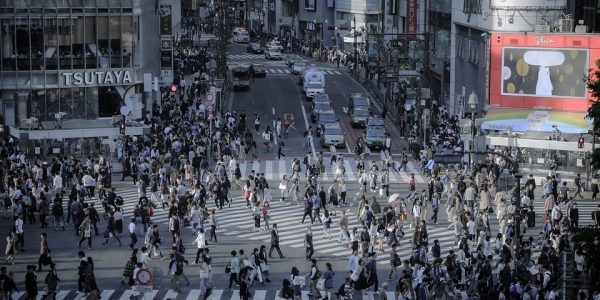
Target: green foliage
(593, 84)
(596, 159)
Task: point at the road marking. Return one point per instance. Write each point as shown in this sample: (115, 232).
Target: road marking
(312, 145)
(105, 294)
(260, 294)
(171, 294)
(195, 294)
(216, 295)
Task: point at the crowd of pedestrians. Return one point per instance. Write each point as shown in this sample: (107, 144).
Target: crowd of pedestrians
(189, 167)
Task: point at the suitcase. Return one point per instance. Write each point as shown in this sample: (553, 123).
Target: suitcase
(531, 219)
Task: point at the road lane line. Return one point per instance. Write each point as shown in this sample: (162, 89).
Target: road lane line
(312, 144)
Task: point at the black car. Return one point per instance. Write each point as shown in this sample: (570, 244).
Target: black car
(255, 48)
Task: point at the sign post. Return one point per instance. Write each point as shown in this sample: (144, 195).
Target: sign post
(143, 281)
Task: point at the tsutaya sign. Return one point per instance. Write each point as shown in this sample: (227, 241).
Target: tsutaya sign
(96, 77)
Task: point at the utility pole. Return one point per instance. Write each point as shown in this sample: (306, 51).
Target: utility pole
(355, 69)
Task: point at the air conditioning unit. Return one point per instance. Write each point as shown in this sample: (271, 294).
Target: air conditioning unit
(542, 28)
(565, 25)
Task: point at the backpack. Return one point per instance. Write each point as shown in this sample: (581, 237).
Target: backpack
(317, 275)
(150, 211)
(439, 187)
(178, 267)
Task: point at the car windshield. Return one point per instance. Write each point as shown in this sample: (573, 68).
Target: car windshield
(361, 113)
(361, 102)
(333, 131)
(375, 132)
(322, 106)
(321, 98)
(299, 65)
(375, 122)
(314, 85)
(327, 118)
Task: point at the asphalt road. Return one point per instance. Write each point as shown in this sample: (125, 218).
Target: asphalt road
(271, 97)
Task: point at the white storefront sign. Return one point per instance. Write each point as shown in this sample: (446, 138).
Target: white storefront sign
(96, 78)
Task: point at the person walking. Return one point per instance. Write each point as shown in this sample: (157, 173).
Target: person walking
(214, 224)
(201, 242)
(10, 247)
(343, 222)
(132, 228)
(234, 266)
(110, 230)
(19, 233)
(51, 281)
(175, 272)
(85, 231)
(155, 241)
(328, 284)
(31, 283)
(308, 208)
(314, 275)
(308, 244)
(275, 242)
(44, 258)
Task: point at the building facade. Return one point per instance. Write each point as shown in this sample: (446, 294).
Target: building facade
(314, 18)
(76, 60)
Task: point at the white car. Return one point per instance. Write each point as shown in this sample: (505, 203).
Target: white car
(275, 44)
(272, 53)
(298, 67)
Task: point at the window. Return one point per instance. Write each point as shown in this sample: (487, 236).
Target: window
(472, 7)
(310, 4)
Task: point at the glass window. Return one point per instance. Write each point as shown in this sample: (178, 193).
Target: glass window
(103, 41)
(51, 44)
(91, 47)
(8, 45)
(37, 43)
(128, 40)
(38, 104)
(115, 42)
(77, 109)
(91, 102)
(64, 102)
(23, 48)
(64, 43)
(78, 43)
(52, 103)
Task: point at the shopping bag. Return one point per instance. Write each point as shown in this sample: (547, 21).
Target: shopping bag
(263, 266)
(299, 280)
(381, 192)
(321, 284)
(203, 274)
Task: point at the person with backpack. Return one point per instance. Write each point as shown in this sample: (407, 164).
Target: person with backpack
(314, 276)
(175, 272)
(110, 230)
(51, 282)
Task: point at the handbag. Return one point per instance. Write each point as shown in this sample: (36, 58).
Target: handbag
(203, 274)
(299, 280)
(282, 186)
(381, 192)
(321, 284)
(264, 266)
(228, 268)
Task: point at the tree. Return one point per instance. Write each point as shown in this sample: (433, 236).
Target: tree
(593, 84)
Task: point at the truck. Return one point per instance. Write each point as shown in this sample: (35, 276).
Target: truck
(240, 35)
(314, 82)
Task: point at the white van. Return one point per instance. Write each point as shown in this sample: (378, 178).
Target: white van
(240, 35)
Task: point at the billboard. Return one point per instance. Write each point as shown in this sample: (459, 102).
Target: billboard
(541, 70)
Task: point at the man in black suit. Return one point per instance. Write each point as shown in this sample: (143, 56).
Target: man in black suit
(275, 242)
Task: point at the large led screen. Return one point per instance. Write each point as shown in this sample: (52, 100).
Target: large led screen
(544, 72)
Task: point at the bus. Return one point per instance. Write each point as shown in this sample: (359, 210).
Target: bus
(240, 35)
(241, 77)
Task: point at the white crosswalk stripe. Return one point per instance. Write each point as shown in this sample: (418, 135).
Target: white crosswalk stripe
(188, 294)
(246, 56)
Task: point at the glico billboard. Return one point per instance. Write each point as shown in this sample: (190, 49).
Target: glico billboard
(541, 70)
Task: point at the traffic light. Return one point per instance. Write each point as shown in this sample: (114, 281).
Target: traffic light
(580, 142)
(173, 88)
(332, 28)
(122, 127)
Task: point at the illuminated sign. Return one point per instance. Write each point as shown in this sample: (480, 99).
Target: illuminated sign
(95, 78)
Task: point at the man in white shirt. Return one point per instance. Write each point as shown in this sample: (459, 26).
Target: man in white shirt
(90, 184)
(19, 232)
(57, 183)
(352, 262)
(132, 229)
(201, 242)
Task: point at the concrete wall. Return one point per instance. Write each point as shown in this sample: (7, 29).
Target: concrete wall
(149, 40)
(358, 6)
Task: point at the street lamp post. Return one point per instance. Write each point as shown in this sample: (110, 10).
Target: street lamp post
(472, 105)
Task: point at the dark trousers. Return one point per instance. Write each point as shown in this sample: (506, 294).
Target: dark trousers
(133, 239)
(308, 213)
(309, 252)
(95, 225)
(213, 232)
(343, 197)
(81, 283)
(233, 277)
(275, 246)
(434, 217)
(83, 238)
(20, 240)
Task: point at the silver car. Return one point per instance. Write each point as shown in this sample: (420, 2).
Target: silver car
(332, 135)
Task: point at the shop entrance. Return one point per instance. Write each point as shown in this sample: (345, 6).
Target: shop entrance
(109, 102)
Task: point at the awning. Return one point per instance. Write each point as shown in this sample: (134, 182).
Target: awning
(521, 120)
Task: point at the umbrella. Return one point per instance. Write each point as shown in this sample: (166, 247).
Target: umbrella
(393, 197)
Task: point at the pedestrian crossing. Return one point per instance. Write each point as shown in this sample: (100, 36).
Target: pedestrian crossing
(170, 294)
(275, 169)
(283, 71)
(246, 56)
